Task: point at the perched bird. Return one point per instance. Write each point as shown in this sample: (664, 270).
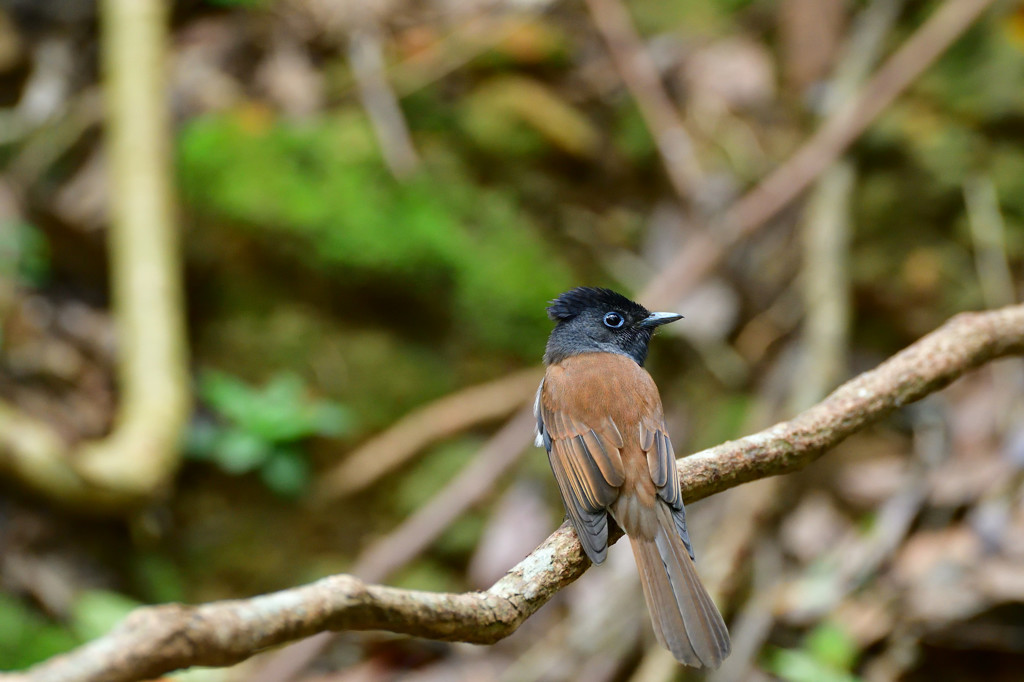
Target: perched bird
(599, 417)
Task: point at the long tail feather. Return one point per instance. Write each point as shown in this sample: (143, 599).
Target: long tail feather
(686, 620)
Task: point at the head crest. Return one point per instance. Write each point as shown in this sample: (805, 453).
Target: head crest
(575, 301)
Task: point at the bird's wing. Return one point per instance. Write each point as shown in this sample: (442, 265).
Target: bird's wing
(661, 460)
(588, 468)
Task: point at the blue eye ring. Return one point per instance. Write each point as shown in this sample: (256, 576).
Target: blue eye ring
(613, 320)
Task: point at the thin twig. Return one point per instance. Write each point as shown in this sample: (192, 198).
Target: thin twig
(825, 281)
(641, 77)
(410, 434)
(366, 54)
(417, 532)
(825, 285)
(988, 233)
(158, 639)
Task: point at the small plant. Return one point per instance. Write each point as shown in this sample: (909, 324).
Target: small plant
(261, 429)
(828, 654)
(28, 637)
(24, 253)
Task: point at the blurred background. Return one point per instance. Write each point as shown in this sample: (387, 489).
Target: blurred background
(376, 200)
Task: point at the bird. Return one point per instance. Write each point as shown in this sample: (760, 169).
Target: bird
(600, 418)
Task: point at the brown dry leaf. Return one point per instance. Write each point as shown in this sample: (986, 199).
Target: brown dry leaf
(290, 80)
(958, 481)
(1012, 540)
(810, 33)
(975, 405)
(82, 202)
(867, 483)
(465, 668)
(935, 568)
(199, 80)
(867, 618)
(518, 99)
(12, 49)
(815, 526)
(420, 43)
(529, 40)
(1001, 580)
(928, 551)
(372, 670)
(733, 73)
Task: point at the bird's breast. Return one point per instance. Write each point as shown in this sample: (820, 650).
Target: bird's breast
(597, 386)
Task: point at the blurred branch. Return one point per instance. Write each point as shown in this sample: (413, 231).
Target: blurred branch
(45, 92)
(848, 122)
(366, 55)
(702, 254)
(140, 455)
(861, 52)
(410, 434)
(825, 286)
(158, 639)
(417, 532)
(988, 232)
(825, 235)
(641, 77)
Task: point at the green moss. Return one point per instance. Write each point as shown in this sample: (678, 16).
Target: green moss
(322, 188)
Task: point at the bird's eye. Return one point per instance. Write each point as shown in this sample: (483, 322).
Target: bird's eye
(613, 320)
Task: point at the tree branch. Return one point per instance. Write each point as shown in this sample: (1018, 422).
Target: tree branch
(641, 77)
(158, 639)
(451, 414)
(139, 457)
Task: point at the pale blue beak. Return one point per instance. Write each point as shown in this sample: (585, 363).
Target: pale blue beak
(658, 319)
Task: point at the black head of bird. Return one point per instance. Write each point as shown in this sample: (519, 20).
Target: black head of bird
(601, 320)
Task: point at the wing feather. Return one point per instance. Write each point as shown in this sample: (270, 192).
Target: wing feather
(587, 464)
(661, 460)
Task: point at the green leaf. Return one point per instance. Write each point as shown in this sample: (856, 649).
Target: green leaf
(24, 252)
(287, 473)
(831, 645)
(26, 637)
(827, 655)
(227, 395)
(239, 451)
(201, 439)
(339, 209)
(797, 665)
(280, 413)
(95, 612)
(157, 578)
(45, 643)
(15, 620)
(331, 419)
